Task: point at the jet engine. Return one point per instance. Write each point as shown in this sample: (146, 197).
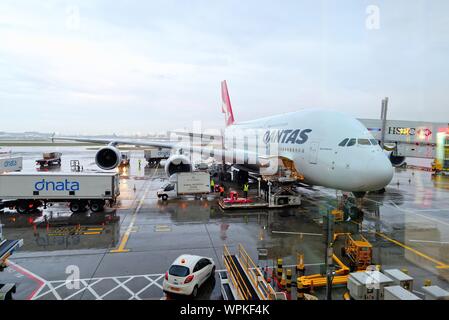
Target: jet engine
(108, 158)
(177, 163)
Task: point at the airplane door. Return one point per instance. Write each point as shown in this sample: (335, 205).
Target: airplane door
(313, 154)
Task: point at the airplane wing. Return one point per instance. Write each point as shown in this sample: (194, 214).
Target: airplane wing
(202, 136)
(218, 153)
(115, 142)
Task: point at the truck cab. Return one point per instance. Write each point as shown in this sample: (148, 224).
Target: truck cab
(167, 190)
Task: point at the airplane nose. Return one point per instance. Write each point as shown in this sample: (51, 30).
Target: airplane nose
(380, 172)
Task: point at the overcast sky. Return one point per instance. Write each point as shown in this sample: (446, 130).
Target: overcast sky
(140, 66)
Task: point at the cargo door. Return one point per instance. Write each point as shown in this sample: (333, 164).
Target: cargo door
(313, 152)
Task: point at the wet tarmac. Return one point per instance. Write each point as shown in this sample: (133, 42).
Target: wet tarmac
(124, 252)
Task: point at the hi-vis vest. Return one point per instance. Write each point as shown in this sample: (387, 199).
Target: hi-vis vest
(245, 187)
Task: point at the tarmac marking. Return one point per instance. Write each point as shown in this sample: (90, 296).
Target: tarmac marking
(41, 282)
(417, 214)
(91, 233)
(162, 228)
(125, 238)
(428, 241)
(95, 229)
(121, 248)
(120, 282)
(439, 264)
(299, 233)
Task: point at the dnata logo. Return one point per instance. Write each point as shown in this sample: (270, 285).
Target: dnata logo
(287, 136)
(64, 185)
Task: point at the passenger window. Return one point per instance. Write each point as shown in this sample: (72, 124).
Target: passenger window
(374, 142)
(170, 187)
(364, 142)
(343, 143)
(351, 142)
(198, 266)
(206, 262)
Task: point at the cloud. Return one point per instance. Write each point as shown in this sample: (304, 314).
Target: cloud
(133, 66)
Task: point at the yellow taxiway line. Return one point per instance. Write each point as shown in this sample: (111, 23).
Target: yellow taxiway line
(439, 264)
(124, 241)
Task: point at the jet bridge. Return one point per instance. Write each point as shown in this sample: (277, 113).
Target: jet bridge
(403, 138)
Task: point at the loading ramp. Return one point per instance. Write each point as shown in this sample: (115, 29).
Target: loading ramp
(243, 280)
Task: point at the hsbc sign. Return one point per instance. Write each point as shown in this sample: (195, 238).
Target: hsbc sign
(406, 131)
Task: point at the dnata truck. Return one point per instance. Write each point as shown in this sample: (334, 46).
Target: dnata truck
(10, 164)
(26, 192)
(185, 183)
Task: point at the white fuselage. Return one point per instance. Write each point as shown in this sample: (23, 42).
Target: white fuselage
(311, 138)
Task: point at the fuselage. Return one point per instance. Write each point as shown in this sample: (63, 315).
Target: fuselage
(328, 148)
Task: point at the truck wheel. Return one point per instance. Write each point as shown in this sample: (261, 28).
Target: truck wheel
(76, 207)
(96, 206)
(164, 197)
(22, 207)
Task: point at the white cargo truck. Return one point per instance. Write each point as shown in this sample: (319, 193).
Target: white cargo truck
(10, 164)
(185, 183)
(155, 155)
(26, 192)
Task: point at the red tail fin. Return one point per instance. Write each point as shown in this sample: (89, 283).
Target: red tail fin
(226, 107)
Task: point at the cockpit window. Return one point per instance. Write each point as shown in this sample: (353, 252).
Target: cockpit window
(374, 142)
(351, 142)
(363, 142)
(343, 143)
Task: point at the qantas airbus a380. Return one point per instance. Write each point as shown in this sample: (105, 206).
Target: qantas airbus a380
(323, 147)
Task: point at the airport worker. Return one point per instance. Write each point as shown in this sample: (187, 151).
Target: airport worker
(212, 185)
(245, 190)
(140, 163)
(221, 189)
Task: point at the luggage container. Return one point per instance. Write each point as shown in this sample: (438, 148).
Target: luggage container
(399, 293)
(400, 278)
(435, 293)
(368, 285)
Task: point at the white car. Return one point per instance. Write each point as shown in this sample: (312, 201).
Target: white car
(187, 274)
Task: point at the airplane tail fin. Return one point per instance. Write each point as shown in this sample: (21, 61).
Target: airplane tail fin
(226, 107)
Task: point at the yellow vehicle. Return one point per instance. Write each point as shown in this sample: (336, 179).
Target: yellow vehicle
(359, 251)
(338, 215)
(437, 166)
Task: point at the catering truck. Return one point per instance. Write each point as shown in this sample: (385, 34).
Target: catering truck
(185, 183)
(25, 192)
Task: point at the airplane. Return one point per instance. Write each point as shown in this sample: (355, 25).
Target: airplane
(323, 147)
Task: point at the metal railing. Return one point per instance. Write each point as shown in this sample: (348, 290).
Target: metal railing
(235, 276)
(257, 279)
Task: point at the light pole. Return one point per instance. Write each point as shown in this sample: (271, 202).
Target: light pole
(269, 193)
(328, 225)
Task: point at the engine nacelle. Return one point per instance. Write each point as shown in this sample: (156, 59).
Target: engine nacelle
(177, 163)
(108, 158)
(396, 161)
